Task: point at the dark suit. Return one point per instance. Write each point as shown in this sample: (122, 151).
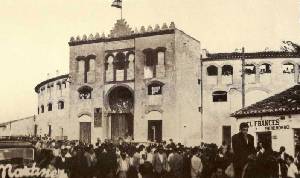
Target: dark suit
(241, 150)
(282, 163)
(176, 165)
(159, 166)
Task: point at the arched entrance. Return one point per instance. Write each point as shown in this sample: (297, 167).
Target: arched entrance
(120, 101)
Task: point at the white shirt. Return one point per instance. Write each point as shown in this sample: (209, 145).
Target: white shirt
(123, 165)
(292, 171)
(161, 158)
(149, 157)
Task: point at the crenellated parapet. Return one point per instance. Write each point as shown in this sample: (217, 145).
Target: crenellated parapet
(122, 31)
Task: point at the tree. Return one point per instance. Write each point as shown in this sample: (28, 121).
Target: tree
(289, 46)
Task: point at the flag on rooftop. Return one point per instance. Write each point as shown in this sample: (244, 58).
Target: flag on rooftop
(117, 4)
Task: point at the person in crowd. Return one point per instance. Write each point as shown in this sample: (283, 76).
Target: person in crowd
(219, 173)
(176, 164)
(243, 146)
(160, 163)
(292, 171)
(133, 163)
(123, 166)
(149, 155)
(282, 161)
(196, 164)
(146, 168)
(187, 156)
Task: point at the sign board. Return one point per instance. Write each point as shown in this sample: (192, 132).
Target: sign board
(98, 117)
(268, 124)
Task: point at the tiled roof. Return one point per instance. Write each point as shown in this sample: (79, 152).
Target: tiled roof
(286, 102)
(263, 54)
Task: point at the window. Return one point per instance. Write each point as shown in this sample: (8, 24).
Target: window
(61, 105)
(58, 85)
(85, 92)
(49, 106)
(64, 83)
(219, 96)
(250, 69)
(226, 135)
(42, 108)
(265, 68)
(151, 58)
(155, 88)
(38, 110)
(151, 62)
(42, 89)
(212, 70)
(119, 61)
(288, 68)
(227, 70)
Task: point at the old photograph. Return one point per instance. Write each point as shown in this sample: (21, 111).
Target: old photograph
(150, 89)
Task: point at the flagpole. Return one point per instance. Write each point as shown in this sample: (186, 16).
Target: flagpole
(121, 13)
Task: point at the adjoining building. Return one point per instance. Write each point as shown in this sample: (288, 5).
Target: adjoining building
(275, 121)
(20, 127)
(226, 88)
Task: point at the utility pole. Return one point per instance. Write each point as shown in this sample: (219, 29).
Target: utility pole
(243, 77)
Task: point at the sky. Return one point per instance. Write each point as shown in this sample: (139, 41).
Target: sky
(34, 34)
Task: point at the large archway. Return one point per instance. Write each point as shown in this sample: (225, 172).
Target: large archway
(121, 101)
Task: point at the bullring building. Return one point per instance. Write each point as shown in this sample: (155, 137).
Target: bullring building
(139, 83)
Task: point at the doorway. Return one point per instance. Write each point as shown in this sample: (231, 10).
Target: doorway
(121, 126)
(85, 132)
(265, 138)
(155, 130)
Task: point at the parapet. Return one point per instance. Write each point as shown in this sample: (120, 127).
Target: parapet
(122, 31)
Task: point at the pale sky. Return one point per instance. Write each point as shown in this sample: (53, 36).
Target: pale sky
(34, 34)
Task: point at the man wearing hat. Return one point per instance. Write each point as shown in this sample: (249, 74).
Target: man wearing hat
(243, 146)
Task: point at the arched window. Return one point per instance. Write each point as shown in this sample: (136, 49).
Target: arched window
(288, 68)
(219, 96)
(265, 68)
(227, 70)
(212, 70)
(85, 92)
(151, 57)
(42, 108)
(155, 88)
(49, 106)
(119, 61)
(61, 105)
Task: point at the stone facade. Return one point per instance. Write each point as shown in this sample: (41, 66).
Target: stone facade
(154, 68)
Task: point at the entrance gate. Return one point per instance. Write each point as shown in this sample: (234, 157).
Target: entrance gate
(121, 126)
(121, 104)
(85, 132)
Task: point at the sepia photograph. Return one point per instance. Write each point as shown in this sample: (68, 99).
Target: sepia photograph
(150, 89)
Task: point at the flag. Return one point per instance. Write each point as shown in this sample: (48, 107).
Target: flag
(117, 4)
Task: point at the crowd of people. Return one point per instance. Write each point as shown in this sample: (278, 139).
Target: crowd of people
(165, 159)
